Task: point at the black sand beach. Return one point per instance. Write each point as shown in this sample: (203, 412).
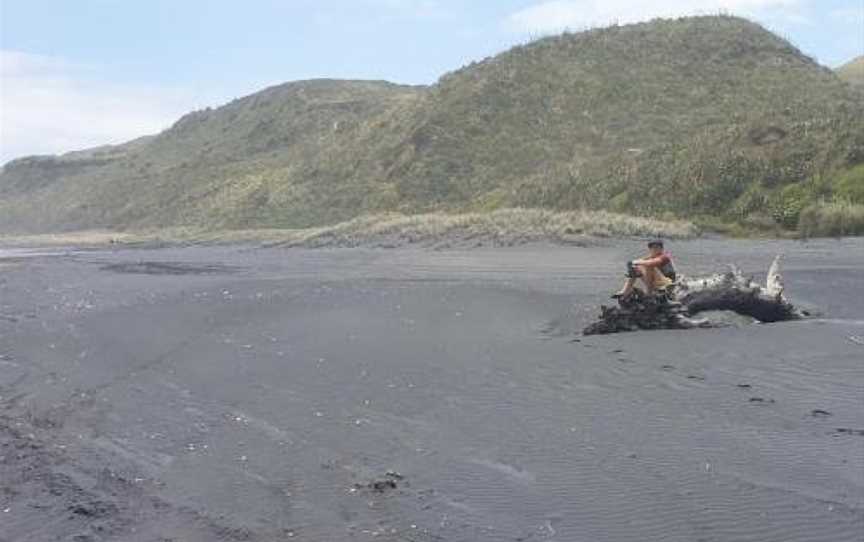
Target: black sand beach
(246, 394)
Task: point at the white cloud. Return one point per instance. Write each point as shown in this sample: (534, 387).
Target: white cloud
(558, 15)
(49, 106)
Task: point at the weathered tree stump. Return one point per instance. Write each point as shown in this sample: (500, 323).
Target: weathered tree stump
(729, 291)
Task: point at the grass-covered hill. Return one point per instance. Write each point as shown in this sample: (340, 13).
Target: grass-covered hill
(696, 117)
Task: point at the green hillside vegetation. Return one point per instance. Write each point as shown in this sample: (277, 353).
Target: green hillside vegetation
(708, 118)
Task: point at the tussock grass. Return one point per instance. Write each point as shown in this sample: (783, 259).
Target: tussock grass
(834, 219)
(505, 227)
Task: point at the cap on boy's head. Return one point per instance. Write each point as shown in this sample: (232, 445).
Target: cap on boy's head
(655, 243)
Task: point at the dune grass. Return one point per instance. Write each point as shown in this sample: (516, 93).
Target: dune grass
(504, 227)
(832, 219)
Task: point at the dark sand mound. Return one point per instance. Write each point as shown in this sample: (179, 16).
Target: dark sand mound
(167, 268)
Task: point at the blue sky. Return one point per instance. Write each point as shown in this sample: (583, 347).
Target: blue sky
(78, 73)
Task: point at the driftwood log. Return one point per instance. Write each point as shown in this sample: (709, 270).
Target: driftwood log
(677, 309)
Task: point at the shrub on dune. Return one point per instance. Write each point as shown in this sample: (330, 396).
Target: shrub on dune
(832, 219)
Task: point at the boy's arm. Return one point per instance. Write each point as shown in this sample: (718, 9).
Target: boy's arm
(659, 261)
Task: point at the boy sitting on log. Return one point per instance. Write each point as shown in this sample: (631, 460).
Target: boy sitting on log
(656, 271)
